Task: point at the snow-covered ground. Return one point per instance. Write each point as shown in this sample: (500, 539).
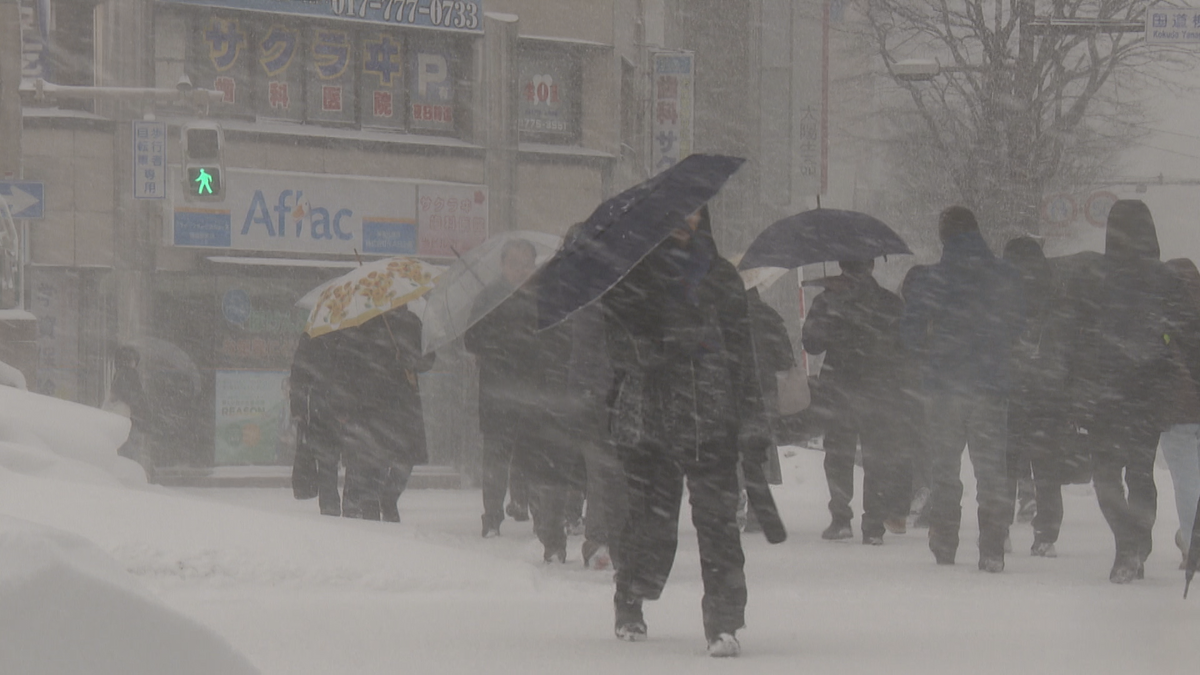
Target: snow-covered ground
(109, 567)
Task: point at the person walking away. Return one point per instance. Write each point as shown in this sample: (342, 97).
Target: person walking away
(687, 408)
(314, 379)
(126, 397)
(1180, 443)
(855, 323)
(505, 348)
(1126, 308)
(962, 316)
(590, 380)
(1037, 422)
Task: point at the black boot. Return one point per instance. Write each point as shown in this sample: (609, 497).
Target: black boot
(629, 625)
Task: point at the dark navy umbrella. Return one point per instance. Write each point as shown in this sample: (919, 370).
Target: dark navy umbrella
(822, 235)
(622, 231)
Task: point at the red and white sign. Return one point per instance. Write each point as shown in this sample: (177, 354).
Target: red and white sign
(450, 219)
(1097, 207)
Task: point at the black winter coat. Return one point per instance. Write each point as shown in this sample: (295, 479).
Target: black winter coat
(506, 349)
(313, 378)
(684, 372)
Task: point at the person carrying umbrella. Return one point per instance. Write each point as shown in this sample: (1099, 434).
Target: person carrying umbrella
(686, 404)
(962, 317)
(855, 323)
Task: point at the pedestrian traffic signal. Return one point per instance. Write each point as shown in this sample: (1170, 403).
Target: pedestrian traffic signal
(203, 168)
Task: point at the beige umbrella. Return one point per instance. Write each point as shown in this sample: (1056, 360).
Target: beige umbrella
(368, 291)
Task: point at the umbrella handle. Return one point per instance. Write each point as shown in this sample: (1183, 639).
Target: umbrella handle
(469, 269)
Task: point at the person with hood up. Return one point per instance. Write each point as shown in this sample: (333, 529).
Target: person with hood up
(1126, 307)
(961, 318)
(855, 323)
(1037, 421)
(687, 406)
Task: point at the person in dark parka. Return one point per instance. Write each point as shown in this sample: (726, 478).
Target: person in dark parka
(686, 401)
(855, 323)
(1037, 420)
(506, 349)
(961, 318)
(385, 435)
(1125, 308)
(312, 382)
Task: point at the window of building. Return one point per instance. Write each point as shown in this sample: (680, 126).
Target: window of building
(329, 73)
(550, 95)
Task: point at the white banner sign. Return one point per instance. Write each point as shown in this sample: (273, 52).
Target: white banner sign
(327, 214)
(671, 117)
(149, 160)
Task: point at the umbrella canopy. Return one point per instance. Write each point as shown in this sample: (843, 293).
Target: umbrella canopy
(822, 235)
(368, 291)
(450, 307)
(623, 230)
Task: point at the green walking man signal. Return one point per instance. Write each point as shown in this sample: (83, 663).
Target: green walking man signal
(205, 181)
(202, 142)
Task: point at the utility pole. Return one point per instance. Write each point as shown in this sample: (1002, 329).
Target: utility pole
(10, 84)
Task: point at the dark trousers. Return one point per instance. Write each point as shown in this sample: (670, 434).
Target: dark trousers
(395, 479)
(977, 420)
(500, 477)
(548, 504)
(326, 448)
(366, 465)
(885, 476)
(606, 490)
(1123, 474)
(651, 534)
(1035, 445)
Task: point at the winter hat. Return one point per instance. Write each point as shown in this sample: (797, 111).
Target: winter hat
(956, 221)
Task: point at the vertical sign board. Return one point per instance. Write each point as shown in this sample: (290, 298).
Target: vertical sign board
(431, 89)
(149, 160)
(381, 82)
(279, 76)
(35, 39)
(1172, 26)
(331, 75)
(671, 118)
(548, 94)
(809, 89)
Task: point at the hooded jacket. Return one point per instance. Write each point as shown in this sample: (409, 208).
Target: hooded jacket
(962, 316)
(679, 338)
(1124, 308)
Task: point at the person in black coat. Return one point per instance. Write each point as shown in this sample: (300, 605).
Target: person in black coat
(312, 383)
(1124, 309)
(961, 318)
(380, 405)
(126, 388)
(1037, 421)
(686, 407)
(855, 323)
(506, 349)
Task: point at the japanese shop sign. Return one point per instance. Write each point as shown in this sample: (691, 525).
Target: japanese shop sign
(381, 81)
(548, 93)
(330, 214)
(149, 160)
(452, 219)
(431, 90)
(221, 54)
(453, 15)
(671, 115)
(330, 92)
(1172, 25)
(280, 82)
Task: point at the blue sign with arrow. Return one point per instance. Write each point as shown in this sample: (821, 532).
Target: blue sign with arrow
(26, 199)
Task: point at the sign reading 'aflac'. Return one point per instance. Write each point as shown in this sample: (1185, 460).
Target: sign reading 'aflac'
(324, 214)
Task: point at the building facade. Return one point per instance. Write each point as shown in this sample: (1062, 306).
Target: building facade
(352, 129)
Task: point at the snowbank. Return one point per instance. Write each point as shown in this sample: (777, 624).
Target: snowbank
(35, 430)
(67, 607)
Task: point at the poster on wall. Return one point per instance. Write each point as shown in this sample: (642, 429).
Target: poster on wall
(430, 89)
(548, 95)
(452, 219)
(221, 55)
(330, 94)
(381, 81)
(279, 70)
(252, 417)
(671, 119)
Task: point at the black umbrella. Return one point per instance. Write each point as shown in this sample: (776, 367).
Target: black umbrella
(822, 235)
(623, 230)
(1193, 556)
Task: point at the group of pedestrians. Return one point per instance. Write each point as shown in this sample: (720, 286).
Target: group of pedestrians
(668, 382)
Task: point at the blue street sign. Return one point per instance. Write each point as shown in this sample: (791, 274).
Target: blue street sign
(26, 199)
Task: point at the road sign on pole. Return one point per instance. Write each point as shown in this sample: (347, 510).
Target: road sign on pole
(1172, 26)
(25, 198)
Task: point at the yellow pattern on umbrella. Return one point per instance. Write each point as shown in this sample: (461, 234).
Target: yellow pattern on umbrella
(368, 291)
